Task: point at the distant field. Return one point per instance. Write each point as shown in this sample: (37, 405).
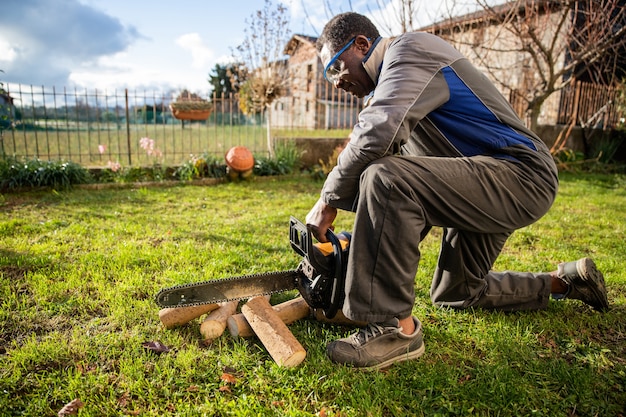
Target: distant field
(81, 143)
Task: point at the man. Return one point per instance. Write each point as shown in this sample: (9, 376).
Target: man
(437, 145)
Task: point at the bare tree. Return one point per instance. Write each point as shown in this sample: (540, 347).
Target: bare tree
(396, 16)
(391, 16)
(262, 73)
(554, 42)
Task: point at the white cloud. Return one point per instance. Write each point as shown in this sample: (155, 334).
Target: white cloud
(7, 52)
(201, 54)
(224, 60)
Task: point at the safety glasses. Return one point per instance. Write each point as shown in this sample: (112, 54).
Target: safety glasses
(333, 68)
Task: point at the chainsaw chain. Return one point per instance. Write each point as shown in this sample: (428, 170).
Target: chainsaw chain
(226, 279)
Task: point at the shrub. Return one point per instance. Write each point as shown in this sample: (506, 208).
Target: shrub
(286, 161)
(16, 173)
(204, 166)
(322, 170)
(154, 173)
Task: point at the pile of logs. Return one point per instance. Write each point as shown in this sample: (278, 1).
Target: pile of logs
(257, 318)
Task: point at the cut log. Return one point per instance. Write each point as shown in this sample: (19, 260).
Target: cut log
(215, 322)
(289, 312)
(281, 344)
(177, 316)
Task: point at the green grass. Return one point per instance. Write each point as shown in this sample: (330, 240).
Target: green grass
(79, 269)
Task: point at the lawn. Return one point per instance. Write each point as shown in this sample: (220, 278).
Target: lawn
(79, 270)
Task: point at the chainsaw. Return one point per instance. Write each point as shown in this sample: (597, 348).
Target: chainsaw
(320, 276)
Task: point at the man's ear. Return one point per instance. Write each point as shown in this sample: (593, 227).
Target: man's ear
(362, 44)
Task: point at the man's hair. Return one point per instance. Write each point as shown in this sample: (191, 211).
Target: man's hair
(343, 27)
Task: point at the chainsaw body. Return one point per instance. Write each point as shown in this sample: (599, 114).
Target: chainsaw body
(322, 271)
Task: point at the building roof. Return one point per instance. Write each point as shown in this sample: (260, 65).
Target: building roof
(297, 40)
(486, 16)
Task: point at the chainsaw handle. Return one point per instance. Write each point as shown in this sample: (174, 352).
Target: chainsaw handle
(337, 294)
(301, 239)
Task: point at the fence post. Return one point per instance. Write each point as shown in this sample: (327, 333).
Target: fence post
(130, 162)
(577, 88)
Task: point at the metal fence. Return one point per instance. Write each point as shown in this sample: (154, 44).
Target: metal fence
(96, 128)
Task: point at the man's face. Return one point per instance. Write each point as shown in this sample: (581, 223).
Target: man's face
(344, 68)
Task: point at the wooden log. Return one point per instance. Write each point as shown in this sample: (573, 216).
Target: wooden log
(177, 316)
(273, 333)
(215, 322)
(238, 321)
(289, 311)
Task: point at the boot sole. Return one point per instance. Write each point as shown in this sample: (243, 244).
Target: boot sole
(588, 271)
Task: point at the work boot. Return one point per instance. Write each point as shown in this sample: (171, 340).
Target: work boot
(585, 283)
(378, 345)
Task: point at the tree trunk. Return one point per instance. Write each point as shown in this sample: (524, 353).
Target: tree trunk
(534, 109)
(270, 144)
(533, 116)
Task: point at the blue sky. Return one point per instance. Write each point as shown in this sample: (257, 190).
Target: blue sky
(140, 44)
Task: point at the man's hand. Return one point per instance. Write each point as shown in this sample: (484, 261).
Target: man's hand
(320, 219)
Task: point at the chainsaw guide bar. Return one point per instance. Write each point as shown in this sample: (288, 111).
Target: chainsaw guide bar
(227, 289)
